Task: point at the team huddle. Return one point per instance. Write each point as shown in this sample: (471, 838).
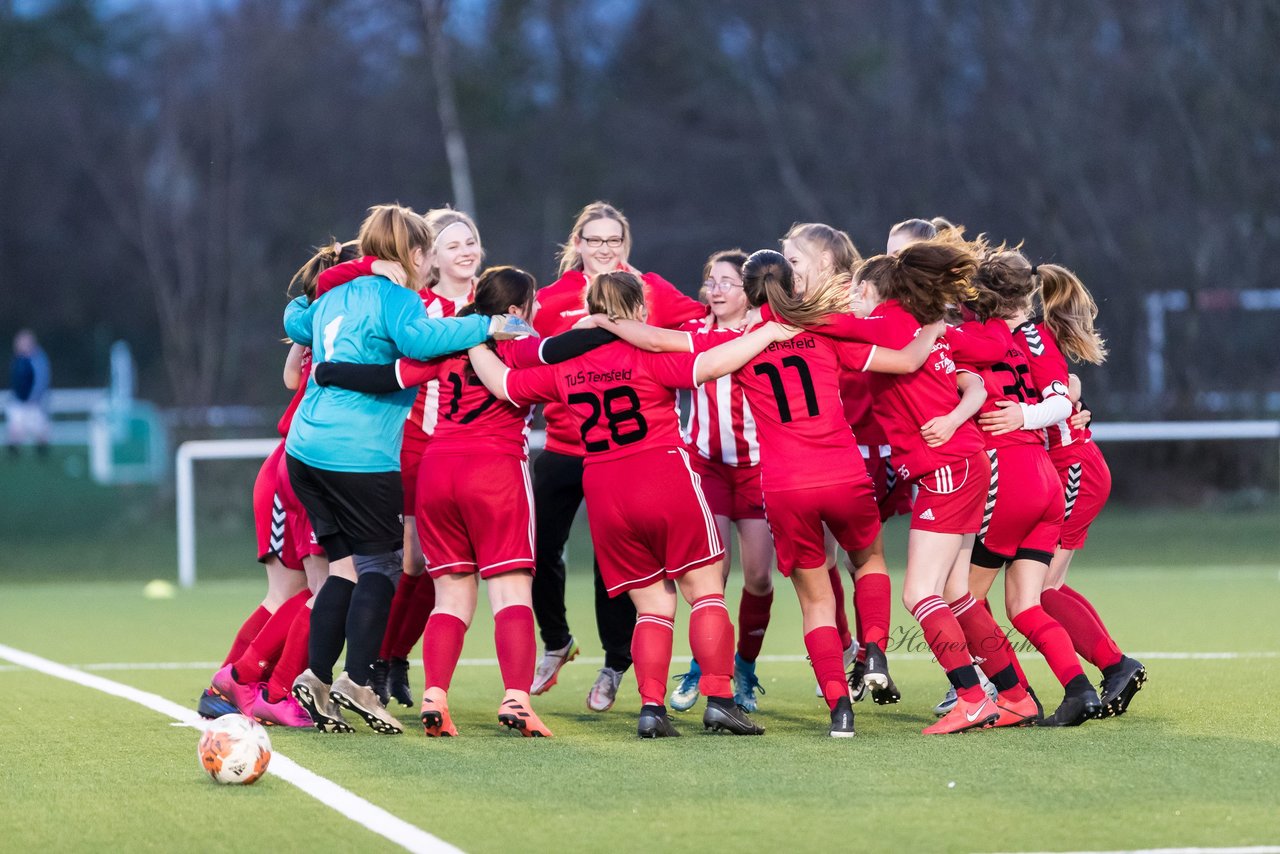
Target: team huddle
(828, 393)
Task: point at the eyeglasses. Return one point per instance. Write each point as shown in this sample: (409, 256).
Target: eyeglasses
(722, 285)
(597, 242)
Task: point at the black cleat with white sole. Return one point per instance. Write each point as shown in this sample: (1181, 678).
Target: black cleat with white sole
(1077, 707)
(842, 719)
(877, 678)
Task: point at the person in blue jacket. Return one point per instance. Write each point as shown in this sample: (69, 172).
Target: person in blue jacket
(343, 457)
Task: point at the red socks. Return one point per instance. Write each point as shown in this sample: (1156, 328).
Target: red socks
(1048, 636)
(711, 640)
(293, 658)
(651, 657)
(441, 649)
(753, 619)
(414, 622)
(399, 603)
(986, 640)
(258, 657)
(842, 619)
(248, 631)
(947, 641)
(827, 657)
(1078, 617)
(871, 601)
(517, 650)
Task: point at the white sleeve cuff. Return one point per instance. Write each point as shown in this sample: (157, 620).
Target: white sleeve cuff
(871, 354)
(399, 378)
(506, 394)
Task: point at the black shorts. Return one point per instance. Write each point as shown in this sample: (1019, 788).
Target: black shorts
(351, 512)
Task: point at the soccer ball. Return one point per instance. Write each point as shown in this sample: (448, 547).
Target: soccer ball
(234, 749)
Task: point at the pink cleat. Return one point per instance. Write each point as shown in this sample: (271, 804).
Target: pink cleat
(243, 696)
(286, 712)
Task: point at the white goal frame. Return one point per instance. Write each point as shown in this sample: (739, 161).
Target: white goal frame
(243, 449)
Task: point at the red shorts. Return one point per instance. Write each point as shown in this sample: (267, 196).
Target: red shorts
(950, 500)
(731, 491)
(279, 519)
(1086, 481)
(1022, 517)
(411, 448)
(796, 517)
(649, 519)
(476, 514)
(893, 494)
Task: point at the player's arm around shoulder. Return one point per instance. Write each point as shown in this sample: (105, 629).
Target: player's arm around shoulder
(420, 337)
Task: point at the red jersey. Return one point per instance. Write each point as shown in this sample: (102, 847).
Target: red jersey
(855, 394)
(563, 303)
(989, 349)
(905, 402)
(471, 420)
(794, 390)
(304, 374)
(721, 426)
(619, 400)
(422, 417)
(1049, 377)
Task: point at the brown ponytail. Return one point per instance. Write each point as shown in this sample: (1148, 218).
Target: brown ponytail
(924, 277)
(767, 277)
(326, 256)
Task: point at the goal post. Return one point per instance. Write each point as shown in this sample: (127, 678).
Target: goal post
(243, 449)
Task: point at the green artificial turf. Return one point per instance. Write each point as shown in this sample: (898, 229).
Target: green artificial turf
(1196, 762)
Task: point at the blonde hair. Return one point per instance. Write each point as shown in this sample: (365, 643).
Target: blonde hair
(617, 294)
(569, 257)
(820, 237)
(1069, 312)
(391, 233)
(438, 219)
(325, 257)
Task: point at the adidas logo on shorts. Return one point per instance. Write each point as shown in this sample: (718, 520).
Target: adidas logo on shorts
(927, 515)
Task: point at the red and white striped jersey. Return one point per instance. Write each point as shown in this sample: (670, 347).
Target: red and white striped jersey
(721, 427)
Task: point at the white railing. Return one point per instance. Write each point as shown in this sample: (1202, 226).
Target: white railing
(241, 449)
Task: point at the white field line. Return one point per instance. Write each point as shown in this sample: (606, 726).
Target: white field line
(1256, 849)
(212, 666)
(326, 791)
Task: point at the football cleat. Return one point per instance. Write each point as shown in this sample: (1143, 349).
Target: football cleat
(745, 684)
(842, 720)
(436, 722)
(285, 712)
(604, 690)
(516, 715)
(685, 695)
(1022, 712)
(857, 688)
(1076, 708)
(213, 705)
(241, 695)
(1117, 689)
(364, 702)
(721, 715)
(548, 669)
(314, 697)
(378, 680)
(965, 716)
(947, 704)
(654, 723)
(877, 678)
(398, 681)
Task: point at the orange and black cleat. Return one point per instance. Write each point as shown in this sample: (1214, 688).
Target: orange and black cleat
(516, 715)
(1022, 712)
(436, 722)
(965, 716)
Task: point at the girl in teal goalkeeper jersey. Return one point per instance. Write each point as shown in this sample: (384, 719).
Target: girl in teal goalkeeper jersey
(344, 457)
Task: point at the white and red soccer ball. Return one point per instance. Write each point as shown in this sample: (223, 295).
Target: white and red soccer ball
(234, 749)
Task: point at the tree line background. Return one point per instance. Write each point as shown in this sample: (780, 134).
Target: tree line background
(165, 167)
